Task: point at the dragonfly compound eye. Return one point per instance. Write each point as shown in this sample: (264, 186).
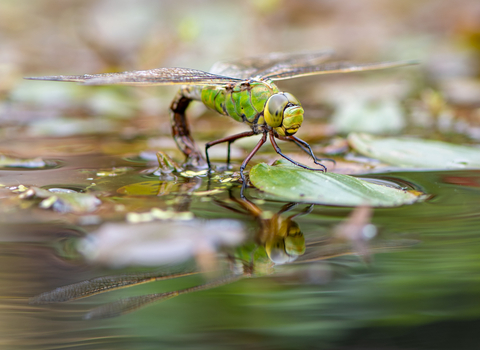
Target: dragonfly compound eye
(274, 109)
(284, 113)
(275, 249)
(291, 99)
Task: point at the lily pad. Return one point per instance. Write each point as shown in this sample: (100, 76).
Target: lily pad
(416, 153)
(291, 183)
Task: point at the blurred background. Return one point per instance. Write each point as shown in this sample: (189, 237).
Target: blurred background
(51, 37)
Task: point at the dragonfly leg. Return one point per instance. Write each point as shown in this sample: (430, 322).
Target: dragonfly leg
(279, 151)
(307, 149)
(228, 153)
(181, 131)
(246, 160)
(304, 146)
(230, 140)
(305, 211)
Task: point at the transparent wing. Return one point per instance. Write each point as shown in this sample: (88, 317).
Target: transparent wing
(332, 67)
(99, 285)
(323, 250)
(127, 305)
(158, 76)
(268, 64)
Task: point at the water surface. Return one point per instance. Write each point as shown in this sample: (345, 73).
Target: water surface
(419, 288)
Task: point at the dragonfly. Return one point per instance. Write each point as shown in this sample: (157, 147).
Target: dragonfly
(242, 89)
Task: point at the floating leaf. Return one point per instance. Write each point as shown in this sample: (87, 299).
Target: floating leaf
(407, 152)
(112, 172)
(63, 200)
(290, 183)
(6, 161)
(159, 187)
(148, 188)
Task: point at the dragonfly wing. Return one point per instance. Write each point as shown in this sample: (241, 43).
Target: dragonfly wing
(333, 67)
(327, 250)
(99, 285)
(263, 64)
(127, 305)
(158, 76)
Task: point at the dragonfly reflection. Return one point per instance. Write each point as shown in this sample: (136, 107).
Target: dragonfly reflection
(279, 235)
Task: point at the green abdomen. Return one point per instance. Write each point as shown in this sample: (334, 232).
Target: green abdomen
(243, 103)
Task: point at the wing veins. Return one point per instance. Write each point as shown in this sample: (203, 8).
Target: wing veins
(255, 66)
(335, 67)
(152, 77)
(99, 285)
(127, 305)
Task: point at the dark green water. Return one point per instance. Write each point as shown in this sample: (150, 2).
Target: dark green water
(423, 294)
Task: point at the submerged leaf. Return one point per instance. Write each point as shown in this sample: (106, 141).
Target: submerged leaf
(292, 183)
(406, 152)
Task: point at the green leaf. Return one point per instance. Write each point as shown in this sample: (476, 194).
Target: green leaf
(291, 183)
(407, 152)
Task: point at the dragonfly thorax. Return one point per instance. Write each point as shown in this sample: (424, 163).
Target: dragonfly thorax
(283, 113)
(257, 103)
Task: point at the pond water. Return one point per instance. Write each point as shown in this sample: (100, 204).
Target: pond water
(415, 285)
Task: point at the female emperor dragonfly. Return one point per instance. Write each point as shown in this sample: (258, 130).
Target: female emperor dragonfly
(243, 90)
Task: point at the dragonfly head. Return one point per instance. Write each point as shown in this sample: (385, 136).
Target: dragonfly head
(287, 244)
(284, 113)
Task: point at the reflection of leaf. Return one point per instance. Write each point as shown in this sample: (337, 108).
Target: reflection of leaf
(156, 243)
(294, 184)
(64, 202)
(416, 153)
